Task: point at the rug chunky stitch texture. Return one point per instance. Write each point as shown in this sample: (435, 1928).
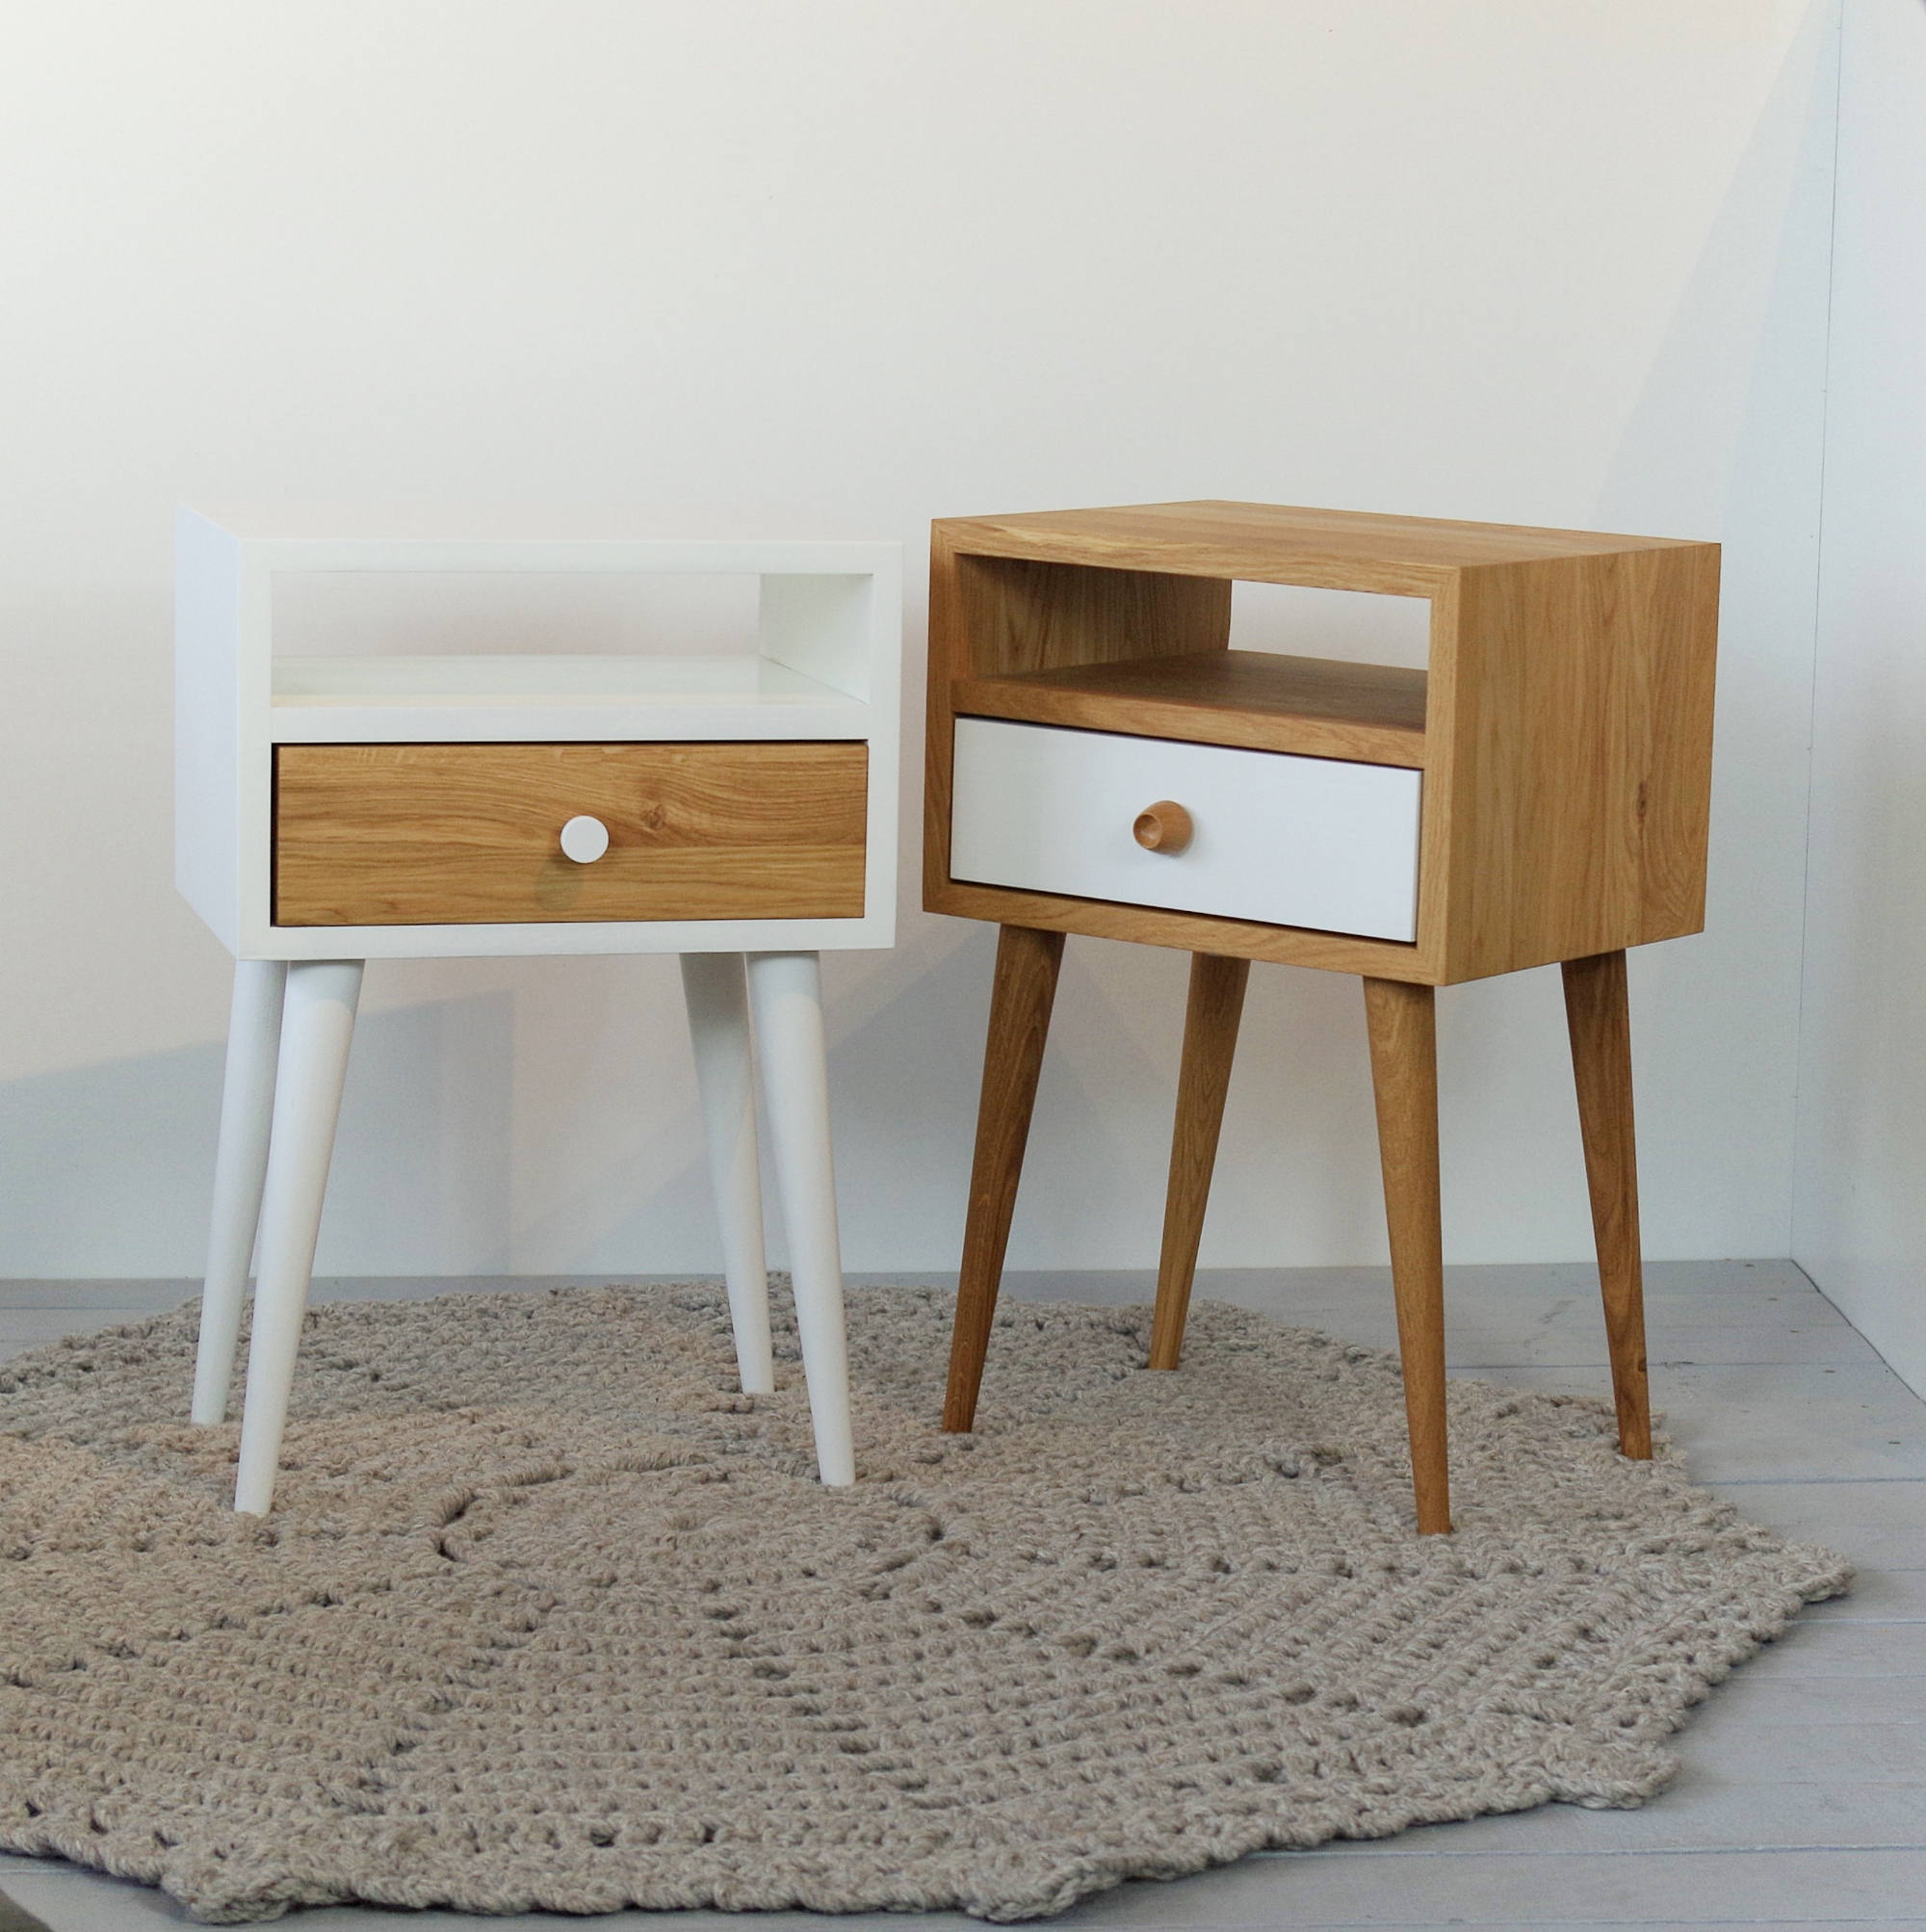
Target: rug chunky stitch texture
(549, 1616)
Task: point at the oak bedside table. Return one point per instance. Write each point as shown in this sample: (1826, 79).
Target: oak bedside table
(737, 810)
(1101, 761)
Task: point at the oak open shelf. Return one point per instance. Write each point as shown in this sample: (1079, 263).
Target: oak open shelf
(1315, 707)
(1562, 722)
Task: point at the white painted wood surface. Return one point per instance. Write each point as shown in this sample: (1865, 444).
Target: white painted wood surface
(1802, 1797)
(317, 1030)
(505, 697)
(240, 1172)
(584, 839)
(1313, 842)
(715, 993)
(279, 1176)
(814, 625)
(827, 666)
(562, 938)
(785, 996)
(271, 532)
(208, 704)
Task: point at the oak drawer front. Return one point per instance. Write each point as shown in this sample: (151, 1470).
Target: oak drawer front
(1290, 841)
(470, 834)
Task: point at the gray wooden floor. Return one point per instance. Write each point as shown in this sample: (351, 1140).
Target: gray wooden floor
(1803, 1797)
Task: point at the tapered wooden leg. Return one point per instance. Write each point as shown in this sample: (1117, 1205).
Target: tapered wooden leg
(1403, 1028)
(1597, 1012)
(239, 1168)
(1210, 1044)
(716, 996)
(786, 993)
(1026, 988)
(317, 1027)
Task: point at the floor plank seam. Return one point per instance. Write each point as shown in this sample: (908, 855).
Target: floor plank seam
(1357, 1848)
(1816, 1481)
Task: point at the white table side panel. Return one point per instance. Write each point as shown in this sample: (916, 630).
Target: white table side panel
(547, 677)
(460, 699)
(256, 828)
(562, 724)
(819, 626)
(642, 557)
(877, 928)
(1320, 843)
(207, 684)
(883, 613)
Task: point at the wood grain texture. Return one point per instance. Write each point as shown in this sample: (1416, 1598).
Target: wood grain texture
(1572, 757)
(1598, 1014)
(1563, 726)
(1316, 707)
(1188, 931)
(1165, 826)
(1214, 1009)
(1402, 1024)
(991, 616)
(1027, 961)
(1020, 615)
(1335, 549)
(467, 834)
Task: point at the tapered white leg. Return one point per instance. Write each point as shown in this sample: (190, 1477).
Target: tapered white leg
(785, 991)
(715, 993)
(317, 1025)
(239, 1167)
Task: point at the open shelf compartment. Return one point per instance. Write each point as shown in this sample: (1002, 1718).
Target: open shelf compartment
(259, 672)
(1569, 673)
(558, 697)
(1314, 707)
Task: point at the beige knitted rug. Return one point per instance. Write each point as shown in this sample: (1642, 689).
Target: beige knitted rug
(548, 1616)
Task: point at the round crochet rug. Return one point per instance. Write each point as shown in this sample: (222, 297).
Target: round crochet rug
(549, 1616)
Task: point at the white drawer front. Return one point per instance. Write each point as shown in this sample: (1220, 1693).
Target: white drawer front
(1290, 841)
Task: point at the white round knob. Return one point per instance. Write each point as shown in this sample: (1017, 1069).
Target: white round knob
(584, 840)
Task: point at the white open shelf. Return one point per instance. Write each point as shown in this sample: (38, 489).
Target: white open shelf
(453, 699)
(825, 662)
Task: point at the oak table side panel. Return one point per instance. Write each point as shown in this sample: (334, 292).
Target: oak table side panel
(1581, 757)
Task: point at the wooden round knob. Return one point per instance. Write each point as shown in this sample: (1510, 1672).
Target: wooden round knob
(1163, 827)
(584, 840)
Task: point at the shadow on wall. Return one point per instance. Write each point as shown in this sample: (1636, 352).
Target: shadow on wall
(625, 1188)
(904, 1077)
(422, 1169)
(1727, 441)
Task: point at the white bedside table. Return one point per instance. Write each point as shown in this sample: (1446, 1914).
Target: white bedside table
(739, 811)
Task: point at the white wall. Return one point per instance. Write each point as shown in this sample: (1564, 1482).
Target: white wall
(1861, 1197)
(735, 265)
